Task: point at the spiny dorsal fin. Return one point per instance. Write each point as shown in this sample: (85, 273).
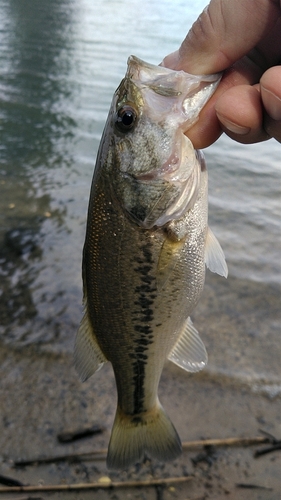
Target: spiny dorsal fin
(189, 352)
(214, 256)
(88, 357)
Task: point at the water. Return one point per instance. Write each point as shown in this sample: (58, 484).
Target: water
(60, 62)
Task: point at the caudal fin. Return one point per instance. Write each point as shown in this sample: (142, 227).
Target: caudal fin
(132, 436)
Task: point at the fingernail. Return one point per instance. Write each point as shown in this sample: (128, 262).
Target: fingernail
(233, 127)
(272, 103)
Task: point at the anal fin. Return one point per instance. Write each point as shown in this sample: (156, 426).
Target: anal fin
(189, 352)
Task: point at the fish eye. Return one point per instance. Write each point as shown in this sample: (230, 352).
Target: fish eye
(125, 118)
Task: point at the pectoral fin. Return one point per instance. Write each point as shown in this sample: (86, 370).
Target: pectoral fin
(214, 256)
(88, 356)
(189, 352)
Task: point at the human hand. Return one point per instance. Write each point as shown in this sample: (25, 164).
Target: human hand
(242, 37)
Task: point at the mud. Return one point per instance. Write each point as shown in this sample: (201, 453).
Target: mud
(41, 396)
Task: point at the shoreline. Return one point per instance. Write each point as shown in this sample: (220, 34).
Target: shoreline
(41, 395)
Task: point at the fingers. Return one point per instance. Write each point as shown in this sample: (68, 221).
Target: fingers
(244, 38)
(271, 99)
(252, 114)
(246, 113)
(240, 113)
(235, 108)
(223, 33)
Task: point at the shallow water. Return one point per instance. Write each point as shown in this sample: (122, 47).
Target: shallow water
(60, 64)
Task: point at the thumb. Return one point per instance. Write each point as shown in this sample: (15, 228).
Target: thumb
(224, 32)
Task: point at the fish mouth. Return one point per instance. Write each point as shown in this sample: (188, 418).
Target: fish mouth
(176, 97)
(179, 175)
(174, 168)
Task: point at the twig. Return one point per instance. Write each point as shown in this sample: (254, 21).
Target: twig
(271, 439)
(159, 492)
(75, 434)
(91, 455)
(101, 453)
(26, 498)
(10, 481)
(269, 449)
(234, 441)
(250, 486)
(275, 444)
(97, 485)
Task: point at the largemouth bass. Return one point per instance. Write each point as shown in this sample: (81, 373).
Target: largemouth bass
(146, 247)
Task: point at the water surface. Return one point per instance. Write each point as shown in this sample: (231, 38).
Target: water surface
(60, 64)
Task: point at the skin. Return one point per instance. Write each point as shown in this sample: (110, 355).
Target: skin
(243, 39)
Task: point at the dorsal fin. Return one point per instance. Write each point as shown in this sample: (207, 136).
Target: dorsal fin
(189, 352)
(214, 256)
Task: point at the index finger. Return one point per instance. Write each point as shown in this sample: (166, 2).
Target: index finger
(224, 32)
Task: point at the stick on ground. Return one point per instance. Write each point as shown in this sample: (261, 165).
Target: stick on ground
(97, 485)
(101, 453)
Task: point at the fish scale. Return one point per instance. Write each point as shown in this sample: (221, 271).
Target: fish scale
(147, 241)
(133, 310)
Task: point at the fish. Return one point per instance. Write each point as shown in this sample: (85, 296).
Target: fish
(146, 248)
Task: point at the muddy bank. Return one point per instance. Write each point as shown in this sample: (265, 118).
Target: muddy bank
(41, 396)
(235, 396)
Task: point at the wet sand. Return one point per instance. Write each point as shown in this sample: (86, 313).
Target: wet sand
(42, 396)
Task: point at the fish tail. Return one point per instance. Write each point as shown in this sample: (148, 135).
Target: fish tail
(133, 435)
